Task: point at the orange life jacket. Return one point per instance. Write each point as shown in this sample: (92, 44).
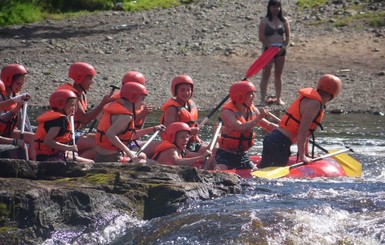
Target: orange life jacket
(138, 123)
(41, 133)
(164, 146)
(82, 98)
(291, 120)
(6, 128)
(232, 140)
(189, 116)
(113, 108)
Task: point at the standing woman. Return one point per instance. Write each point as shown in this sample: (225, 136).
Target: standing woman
(274, 31)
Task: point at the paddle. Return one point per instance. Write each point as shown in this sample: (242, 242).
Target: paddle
(73, 136)
(113, 88)
(148, 142)
(258, 65)
(213, 142)
(278, 172)
(23, 118)
(351, 166)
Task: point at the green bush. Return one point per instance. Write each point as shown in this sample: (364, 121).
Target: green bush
(19, 13)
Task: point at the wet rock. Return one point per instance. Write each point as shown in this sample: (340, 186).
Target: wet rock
(39, 198)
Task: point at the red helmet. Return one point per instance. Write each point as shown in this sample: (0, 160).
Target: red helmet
(181, 79)
(132, 91)
(9, 71)
(173, 129)
(58, 99)
(79, 70)
(133, 76)
(330, 84)
(2, 88)
(239, 90)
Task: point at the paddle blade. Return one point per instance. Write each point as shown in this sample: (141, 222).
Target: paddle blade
(271, 172)
(351, 166)
(261, 62)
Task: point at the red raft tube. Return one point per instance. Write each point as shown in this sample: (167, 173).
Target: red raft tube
(327, 167)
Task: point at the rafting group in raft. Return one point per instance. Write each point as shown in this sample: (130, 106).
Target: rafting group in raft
(121, 115)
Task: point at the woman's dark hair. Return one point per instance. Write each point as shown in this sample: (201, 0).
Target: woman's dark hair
(278, 4)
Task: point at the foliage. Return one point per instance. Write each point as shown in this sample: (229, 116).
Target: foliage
(372, 18)
(19, 13)
(149, 4)
(302, 4)
(25, 11)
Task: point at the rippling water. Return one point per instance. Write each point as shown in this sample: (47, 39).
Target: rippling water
(283, 211)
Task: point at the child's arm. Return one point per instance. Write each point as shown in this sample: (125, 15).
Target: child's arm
(51, 142)
(191, 158)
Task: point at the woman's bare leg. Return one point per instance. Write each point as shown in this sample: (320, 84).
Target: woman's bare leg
(264, 82)
(279, 63)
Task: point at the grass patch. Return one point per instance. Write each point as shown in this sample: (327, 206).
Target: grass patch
(27, 11)
(14, 14)
(61, 16)
(302, 4)
(149, 4)
(373, 19)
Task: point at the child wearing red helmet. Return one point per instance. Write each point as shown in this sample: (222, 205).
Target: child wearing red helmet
(54, 130)
(300, 121)
(13, 77)
(239, 117)
(173, 150)
(83, 75)
(116, 129)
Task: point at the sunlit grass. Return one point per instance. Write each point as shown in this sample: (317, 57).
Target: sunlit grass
(14, 13)
(302, 4)
(149, 4)
(19, 14)
(374, 19)
(61, 16)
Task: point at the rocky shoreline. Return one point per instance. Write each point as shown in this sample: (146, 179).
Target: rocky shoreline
(213, 41)
(41, 199)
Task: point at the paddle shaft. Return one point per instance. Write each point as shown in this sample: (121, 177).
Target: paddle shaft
(311, 141)
(23, 119)
(279, 172)
(73, 136)
(319, 158)
(258, 65)
(113, 88)
(213, 142)
(147, 143)
(213, 111)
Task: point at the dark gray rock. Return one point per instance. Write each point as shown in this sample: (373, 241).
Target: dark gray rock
(40, 198)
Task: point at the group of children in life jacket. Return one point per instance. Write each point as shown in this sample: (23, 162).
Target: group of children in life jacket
(121, 116)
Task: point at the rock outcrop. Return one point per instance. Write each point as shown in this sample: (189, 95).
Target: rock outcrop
(40, 198)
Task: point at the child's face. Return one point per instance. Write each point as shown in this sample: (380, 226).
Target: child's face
(184, 92)
(70, 107)
(249, 99)
(140, 100)
(18, 84)
(88, 81)
(181, 139)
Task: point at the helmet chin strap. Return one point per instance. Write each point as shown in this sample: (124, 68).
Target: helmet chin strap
(81, 87)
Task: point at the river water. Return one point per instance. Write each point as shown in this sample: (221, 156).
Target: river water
(279, 211)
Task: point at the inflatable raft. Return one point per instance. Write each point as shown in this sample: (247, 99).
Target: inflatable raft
(327, 167)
